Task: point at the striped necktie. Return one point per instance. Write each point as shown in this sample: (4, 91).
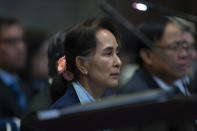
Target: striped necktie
(186, 86)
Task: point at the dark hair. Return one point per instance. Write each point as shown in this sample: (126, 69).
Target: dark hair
(81, 41)
(7, 21)
(153, 30)
(55, 51)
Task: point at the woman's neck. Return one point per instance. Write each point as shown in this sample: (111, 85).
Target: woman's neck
(94, 89)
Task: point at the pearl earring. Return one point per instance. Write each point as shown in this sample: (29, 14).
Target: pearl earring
(86, 73)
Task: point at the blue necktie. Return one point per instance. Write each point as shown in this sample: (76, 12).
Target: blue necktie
(19, 94)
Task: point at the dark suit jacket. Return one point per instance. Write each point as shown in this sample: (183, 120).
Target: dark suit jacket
(70, 98)
(141, 81)
(8, 100)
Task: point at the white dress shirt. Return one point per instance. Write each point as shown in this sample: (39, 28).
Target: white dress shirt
(178, 83)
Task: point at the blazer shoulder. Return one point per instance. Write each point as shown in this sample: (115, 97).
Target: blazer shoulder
(68, 99)
(142, 80)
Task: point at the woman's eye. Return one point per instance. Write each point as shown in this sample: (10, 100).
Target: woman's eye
(109, 53)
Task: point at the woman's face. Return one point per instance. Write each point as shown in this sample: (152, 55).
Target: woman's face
(104, 65)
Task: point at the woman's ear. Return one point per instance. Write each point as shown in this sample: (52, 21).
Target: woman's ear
(82, 64)
(145, 55)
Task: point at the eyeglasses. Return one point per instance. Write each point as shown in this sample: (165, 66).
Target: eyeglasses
(11, 40)
(178, 46)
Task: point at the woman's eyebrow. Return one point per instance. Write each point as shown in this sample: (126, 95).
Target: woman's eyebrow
(108, 49)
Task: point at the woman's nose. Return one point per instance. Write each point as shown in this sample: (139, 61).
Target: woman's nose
(117, 60)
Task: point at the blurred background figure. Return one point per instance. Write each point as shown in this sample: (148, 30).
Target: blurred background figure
(189, 34)
(164, 66)
(36, 68)
(53, 91)
(15, 94)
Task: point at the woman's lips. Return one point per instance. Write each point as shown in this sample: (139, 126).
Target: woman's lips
(115, 75)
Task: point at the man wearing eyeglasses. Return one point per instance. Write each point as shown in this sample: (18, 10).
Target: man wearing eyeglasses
(167, 64)
(14, 92)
